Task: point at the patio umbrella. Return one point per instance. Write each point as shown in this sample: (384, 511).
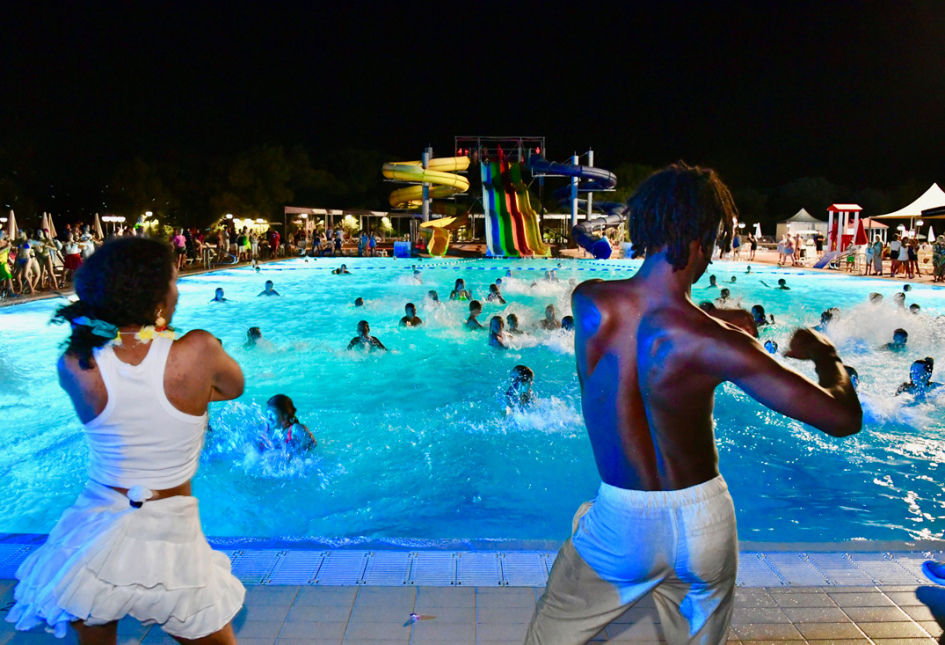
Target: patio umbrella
(11, 226)
(52, 227)
(98, 228)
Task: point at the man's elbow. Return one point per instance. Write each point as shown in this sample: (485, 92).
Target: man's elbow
(847, 425)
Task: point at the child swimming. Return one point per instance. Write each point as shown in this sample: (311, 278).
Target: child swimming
(284, 428)
(364, 339)
(497, 336)
(475, 308)
(920, 379)
(268, 291)
(519, 394)
(411, 319)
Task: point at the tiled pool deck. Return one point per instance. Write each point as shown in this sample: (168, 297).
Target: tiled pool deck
(298, 597)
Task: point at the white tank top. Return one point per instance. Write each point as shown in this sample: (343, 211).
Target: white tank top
(140, 438)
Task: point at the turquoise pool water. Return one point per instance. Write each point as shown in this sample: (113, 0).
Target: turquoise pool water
(418, 443)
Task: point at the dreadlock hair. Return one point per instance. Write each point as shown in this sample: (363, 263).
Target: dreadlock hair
(679, 205)
(122, 283)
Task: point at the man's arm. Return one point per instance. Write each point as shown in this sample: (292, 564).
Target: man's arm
(377, 343)
(830, 405)
(354, 342)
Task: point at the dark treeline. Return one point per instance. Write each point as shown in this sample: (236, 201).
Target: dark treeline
(195, 190)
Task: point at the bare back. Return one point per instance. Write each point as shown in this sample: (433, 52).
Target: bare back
(649, 361)
(648, 412)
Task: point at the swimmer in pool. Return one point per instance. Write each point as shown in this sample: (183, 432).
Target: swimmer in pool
(342, 270)
(550, 320)
(567, 323)
(512, 321)
(218, 296)
(459, 291)
(749, 269)
(830, 316)
(782, 285)
(900, 338)
(359, 302)
(432, 297)
(771, 347)
(920, 379)
(497, 336)
(915, 309)
(284, 427)
(495, 295)
(411, 319)
(417, 277)
(268, 291)
(725, 297)
(712, 283)
(758, 313)
(876, 298)
(734, 279)
(364, 340)
(519, 394)
(498, 282)
(900, 299)
(508, 273)
(475, 308)
(253, 334)
(907, 287)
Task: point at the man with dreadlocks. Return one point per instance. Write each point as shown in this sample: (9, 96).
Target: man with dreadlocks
(649, 361)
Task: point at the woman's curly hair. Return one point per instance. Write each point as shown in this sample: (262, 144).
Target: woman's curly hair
(122, 283)
(679, 205)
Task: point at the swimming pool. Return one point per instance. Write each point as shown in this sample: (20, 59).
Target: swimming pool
(417, 442)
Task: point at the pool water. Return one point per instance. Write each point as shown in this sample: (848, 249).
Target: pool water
(418, 443)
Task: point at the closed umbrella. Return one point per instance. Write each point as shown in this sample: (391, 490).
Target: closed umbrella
(98, 228)
(860, 237)
(931, 233)
(11, 226)
(757, 229)
(52, 227)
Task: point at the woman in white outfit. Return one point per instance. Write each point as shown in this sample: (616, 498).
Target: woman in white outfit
(132, 545)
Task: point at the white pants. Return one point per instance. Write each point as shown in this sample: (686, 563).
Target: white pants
(680, 545)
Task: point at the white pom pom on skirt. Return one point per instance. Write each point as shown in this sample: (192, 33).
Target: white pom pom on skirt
(105, 560)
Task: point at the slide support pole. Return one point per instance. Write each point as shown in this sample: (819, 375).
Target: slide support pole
(427, 154)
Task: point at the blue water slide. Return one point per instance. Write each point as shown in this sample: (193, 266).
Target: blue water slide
(592, 179)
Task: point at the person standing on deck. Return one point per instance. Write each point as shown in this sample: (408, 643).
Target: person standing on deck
(649, 361)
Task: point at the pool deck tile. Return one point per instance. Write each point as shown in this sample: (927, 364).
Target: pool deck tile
(315, 615)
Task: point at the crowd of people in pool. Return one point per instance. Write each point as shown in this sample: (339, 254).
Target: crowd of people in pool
(756, 320)
(281, 412)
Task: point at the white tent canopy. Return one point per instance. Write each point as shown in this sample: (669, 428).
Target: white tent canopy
(799, 222)
(932, 198)
(802, 216)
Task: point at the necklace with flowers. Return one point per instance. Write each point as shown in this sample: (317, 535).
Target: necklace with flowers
(147, 333)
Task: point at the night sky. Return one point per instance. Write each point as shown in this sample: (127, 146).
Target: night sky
(767, 92)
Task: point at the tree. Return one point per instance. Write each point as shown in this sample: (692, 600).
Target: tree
(139, 186)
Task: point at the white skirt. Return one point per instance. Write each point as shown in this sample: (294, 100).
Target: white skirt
(106, 559)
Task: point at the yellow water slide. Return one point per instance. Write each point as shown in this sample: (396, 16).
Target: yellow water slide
(440, 174)
(438, 233)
